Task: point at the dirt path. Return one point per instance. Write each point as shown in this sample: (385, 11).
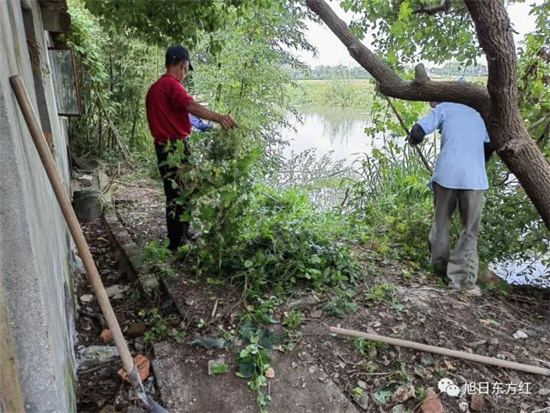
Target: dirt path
(395, 301)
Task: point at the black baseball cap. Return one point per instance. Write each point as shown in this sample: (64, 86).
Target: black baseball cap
(176, 54)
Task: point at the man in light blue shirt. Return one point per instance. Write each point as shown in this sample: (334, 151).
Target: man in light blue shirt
(459, 179)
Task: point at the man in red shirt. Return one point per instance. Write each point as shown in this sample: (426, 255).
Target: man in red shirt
(168, 107)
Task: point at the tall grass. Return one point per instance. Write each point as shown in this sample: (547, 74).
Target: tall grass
(339, 93)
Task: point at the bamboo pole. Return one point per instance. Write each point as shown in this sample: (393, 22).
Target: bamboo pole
(404, 126)
(81, 244)
(444, 351)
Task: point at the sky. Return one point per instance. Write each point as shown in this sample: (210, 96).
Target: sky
(331, 51)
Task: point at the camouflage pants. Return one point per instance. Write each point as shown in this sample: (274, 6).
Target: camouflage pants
(461, 264)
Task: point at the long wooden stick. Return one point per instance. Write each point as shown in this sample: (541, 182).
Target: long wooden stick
(444, 351)
(74, 227)
(404, 126)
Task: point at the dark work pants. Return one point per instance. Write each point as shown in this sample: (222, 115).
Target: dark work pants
(176, 204)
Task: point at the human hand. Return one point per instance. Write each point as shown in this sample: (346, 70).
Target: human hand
(412, 141)
(227, 121)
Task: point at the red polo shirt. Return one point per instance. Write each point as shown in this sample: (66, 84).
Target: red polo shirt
(165, 104)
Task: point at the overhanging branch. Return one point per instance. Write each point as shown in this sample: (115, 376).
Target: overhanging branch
(444, 7)
(421, 89)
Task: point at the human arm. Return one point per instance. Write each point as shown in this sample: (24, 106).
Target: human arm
(226, 121)
(425, 126)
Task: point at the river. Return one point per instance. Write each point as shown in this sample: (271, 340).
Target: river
(342, 133)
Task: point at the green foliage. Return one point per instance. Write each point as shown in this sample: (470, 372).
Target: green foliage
(156, 254)
(365, 346)
(401, 35)
(115, 70)
(341, 303)
(254, 361)
(392, 203)
(220, 368)
(380, 293)
(293, 319)
(158, 330)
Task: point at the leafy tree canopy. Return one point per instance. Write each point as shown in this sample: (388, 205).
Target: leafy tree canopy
(185, 22)
(405, 31)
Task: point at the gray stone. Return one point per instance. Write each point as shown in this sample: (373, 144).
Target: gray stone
(302, 302)
(86, 180)
(363, 401)
(86, 298)
(115, 290)
(94, 355)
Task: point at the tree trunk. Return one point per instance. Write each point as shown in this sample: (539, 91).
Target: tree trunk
(498, 104)
(504, 123)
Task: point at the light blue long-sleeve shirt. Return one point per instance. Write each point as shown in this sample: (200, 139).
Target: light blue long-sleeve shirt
(461, 162)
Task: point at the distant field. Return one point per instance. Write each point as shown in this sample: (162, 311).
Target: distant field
(346, 93)
(340, 93)
(358, 82)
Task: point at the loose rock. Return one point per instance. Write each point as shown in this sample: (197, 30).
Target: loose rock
(363, 401)
(115, 290)
(477, 403)
(403, 393)
(136, 330)
(143, 365)
(86, 180)
(463, 406)
(93, 355)
(86, 298)
(106, 336)
(432, 403)
(519, 335)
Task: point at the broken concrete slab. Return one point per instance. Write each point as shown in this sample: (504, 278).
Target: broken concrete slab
(185, 386)
(182, 378)
(299, 389)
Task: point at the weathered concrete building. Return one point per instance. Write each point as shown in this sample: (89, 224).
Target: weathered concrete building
(36, 298)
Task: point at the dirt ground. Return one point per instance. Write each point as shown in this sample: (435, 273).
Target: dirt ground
(394, 301)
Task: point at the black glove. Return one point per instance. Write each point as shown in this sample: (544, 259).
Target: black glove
(416, 135)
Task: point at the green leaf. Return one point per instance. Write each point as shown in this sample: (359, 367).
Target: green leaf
(382, 396)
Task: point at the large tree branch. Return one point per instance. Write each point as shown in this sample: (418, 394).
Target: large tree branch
(444, 7)
(421, 89)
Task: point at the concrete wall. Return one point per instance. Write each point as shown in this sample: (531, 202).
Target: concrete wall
(35, 273)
